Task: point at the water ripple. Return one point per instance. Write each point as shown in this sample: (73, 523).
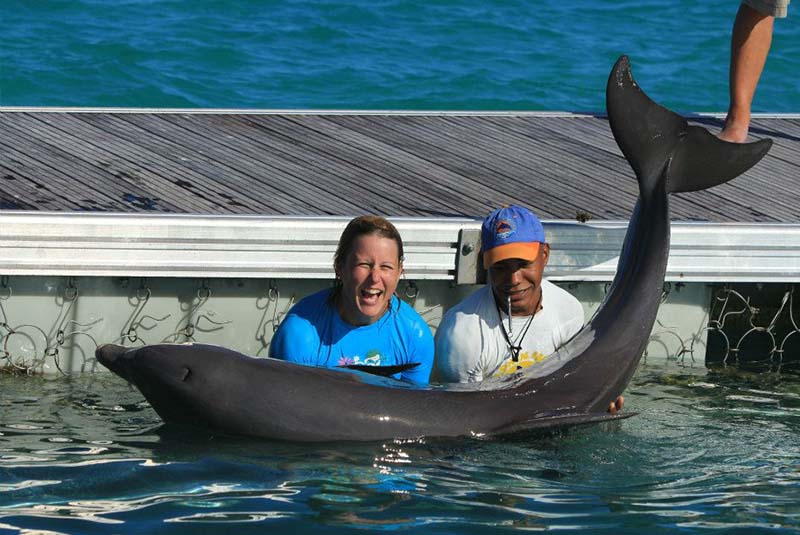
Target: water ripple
(705, 450)
(376, 55)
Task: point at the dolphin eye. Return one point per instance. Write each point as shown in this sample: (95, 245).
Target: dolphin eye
(186, 373)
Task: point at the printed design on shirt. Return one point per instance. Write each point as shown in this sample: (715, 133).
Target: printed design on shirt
(373, 358)
(525, 361)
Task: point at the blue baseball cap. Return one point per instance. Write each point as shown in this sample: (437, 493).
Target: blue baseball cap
(511, 232)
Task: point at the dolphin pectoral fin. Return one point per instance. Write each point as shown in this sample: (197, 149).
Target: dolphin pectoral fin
(555, 420)
(658, 141)
(383, 371)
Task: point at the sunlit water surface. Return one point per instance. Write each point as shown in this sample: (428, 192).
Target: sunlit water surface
(709, 452)
(378, 54)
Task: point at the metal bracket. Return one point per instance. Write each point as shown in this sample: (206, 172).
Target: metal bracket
(469, 263)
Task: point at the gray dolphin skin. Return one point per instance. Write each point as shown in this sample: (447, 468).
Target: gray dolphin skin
(220, 389)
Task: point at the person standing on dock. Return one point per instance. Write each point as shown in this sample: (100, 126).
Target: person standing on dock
(751, 39)
(518, 318)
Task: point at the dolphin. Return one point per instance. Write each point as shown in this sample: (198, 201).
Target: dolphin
(220, 389)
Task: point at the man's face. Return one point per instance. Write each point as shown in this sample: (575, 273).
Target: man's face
(519, 280)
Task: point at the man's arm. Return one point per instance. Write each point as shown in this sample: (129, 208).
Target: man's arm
(457, 354)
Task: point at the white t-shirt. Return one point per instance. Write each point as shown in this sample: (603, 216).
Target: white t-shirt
(470, 345)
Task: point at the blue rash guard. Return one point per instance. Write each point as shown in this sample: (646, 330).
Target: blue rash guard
(313, 333)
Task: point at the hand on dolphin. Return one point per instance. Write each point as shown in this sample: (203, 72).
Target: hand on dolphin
(616, 405)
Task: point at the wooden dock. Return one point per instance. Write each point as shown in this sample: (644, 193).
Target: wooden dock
(563, 166)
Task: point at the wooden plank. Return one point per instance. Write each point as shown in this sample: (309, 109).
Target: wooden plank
(191, 170)
(777, 129)
(60, 172)
(19, 193)
(461, 157)
(593, 131)
(464, 177)
(96, 161)
(37, 186)
(417, 174)
(90, 166)
(146, 169)
(232, 157)
(346, 164)
(603, 173)
(589, 168)
(176, 163)
(712, 205)
(534, 156)
(388, 168)
(269, 152)
(708, 205)
(537, 181)
(375, 187)
(761, 191)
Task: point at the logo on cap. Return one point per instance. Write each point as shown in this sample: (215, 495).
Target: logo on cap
(505, 228)
(511, 232)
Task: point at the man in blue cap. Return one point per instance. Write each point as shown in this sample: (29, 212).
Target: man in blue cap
(518, 318)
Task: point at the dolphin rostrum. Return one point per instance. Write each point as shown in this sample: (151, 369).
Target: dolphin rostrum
(217, 388)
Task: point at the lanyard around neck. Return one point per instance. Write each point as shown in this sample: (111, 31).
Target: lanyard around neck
(515, 348)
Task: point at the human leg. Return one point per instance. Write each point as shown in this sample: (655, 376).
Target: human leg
(750, 42)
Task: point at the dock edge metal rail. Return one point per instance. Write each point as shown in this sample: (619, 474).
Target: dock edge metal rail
(114, 244)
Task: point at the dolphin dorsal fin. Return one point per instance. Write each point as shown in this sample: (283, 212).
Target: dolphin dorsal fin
(657, 141)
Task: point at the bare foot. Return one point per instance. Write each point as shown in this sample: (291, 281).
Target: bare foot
(733, 133)
(616, 405)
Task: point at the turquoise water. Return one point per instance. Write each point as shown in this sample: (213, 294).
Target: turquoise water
(709, 452)
(377, 54)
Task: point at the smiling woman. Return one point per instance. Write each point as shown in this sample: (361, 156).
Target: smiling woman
(360, 322)
(368, 264)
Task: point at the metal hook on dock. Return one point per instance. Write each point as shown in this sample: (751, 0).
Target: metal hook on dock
(5, 289)
(412, 290)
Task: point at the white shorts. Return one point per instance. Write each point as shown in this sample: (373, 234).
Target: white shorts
(776, 8)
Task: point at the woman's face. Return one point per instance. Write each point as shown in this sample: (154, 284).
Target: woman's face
(369, 278)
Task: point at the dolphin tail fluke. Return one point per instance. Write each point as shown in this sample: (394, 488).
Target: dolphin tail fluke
(703, 160)
(657, 141)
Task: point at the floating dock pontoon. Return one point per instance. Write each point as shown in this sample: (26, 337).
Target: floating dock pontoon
(137, 226)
